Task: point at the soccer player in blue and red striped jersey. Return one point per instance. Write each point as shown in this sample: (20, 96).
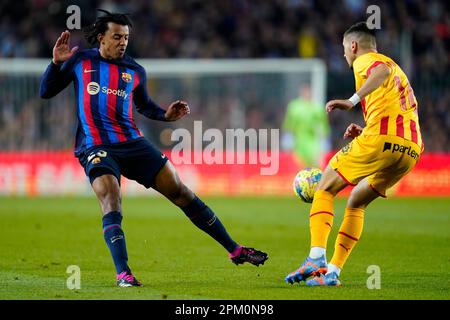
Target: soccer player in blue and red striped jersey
(108, 144)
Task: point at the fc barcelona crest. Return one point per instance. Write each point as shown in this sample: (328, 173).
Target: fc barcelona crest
(126, 77)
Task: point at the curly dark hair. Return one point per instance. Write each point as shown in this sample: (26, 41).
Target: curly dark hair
(101, 25)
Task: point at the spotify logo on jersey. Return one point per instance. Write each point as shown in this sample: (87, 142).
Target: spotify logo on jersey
(93, 88)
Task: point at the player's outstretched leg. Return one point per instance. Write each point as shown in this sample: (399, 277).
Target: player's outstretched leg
(169, 184)
(321, 221)
(107, 189)
(349, 234)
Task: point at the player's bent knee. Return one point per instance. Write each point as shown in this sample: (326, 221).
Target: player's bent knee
(352, 203)
(355, 201)
(107, 190)
(361, 196)
(331, 182)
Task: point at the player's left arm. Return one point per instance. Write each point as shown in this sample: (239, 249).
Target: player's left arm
(146, 106)
(378, 75)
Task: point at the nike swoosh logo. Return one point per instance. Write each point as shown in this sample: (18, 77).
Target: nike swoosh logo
(87, 71)
(114, 239)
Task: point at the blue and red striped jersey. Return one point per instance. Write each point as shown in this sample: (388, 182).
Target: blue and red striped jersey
(105, 91)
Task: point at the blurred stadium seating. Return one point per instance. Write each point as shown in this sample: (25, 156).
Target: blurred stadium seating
(414, 33)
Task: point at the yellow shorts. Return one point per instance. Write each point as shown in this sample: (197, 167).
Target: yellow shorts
(382, 159)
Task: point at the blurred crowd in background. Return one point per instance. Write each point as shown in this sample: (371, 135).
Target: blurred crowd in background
(414, 33)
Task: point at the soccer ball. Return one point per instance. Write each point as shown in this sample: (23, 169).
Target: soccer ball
(305, 183)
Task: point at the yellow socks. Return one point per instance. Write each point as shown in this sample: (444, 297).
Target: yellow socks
(321, 221)
(348, 236)
(321, 218)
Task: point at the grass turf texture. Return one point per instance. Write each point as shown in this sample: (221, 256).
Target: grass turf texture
(407, 238)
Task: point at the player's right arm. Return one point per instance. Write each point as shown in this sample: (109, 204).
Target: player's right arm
(147, 107)
(58, 74)
(375, 79)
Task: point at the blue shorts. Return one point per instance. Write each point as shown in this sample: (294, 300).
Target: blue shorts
(137, 160)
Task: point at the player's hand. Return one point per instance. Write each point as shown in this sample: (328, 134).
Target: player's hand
(177, 110)
(353, 130)
(61, 50)
(338, 104)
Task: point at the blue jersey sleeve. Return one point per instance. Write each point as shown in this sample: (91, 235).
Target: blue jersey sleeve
(144, 104)
(57, 77)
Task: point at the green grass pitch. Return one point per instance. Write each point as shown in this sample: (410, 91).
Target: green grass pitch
(407, 238)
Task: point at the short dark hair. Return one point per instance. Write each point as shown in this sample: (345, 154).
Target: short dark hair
(363, 33)
(101, 25)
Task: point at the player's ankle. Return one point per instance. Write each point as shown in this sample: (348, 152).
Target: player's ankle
(236, 251)
(317, 252)
(333, 268)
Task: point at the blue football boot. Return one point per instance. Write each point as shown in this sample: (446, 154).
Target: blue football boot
(310, 267)
(328, 280)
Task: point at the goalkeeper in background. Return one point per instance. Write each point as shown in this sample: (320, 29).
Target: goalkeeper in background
(306, 129)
